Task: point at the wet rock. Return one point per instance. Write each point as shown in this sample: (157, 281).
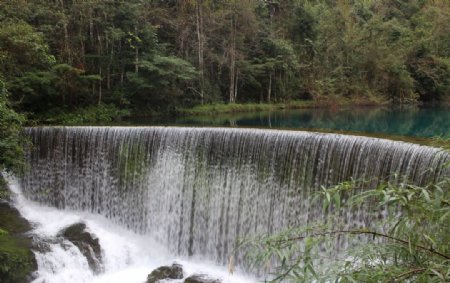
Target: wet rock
(166, 272)
(42, 244)
(86, 242)
(11, 220)
(17, 261)
(201, 278)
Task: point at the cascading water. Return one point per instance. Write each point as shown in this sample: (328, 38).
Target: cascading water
(127, 257)
(197, 190)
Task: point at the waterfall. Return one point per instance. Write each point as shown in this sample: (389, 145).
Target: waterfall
(197, 190)
(127, 256)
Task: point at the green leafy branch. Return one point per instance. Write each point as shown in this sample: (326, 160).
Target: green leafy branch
(410, 242)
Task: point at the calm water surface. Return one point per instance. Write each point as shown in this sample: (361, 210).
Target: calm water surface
(411, 121)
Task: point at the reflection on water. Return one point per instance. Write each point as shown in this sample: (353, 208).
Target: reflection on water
(412, 121)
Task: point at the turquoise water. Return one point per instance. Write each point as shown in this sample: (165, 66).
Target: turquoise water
(411, 121)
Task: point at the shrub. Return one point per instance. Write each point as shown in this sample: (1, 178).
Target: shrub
(411, 243)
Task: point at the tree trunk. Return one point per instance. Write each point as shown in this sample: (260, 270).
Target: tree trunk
(269, 90)
(136, 55)
(122, 68)
(111, 59)
(100, 87)
(200, 47)
(66, 44)
(108, 80)
(65, 54)
(232, 79)
(236, 80)
(136, 60)
(91, 27)
(232, 60)
(83, 55)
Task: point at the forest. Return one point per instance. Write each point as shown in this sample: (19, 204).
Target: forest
(104, 62)
(65, 61)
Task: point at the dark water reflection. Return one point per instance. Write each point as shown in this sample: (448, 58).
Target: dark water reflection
(411, 121)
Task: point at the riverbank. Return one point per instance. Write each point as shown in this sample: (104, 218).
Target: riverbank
(221, 108)
(104, 114)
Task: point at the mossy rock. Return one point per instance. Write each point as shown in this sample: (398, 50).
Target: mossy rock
(43, 245)
(11, 220)
(86, 242)
(5, 194)
(201, 278)
(17, 261)
(166, 272)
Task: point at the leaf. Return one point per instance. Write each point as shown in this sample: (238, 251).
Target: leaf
(438, 274)
(444, 217)
(310, 268)
(337, 200)
(426, 194)
(429, 239)
(328, 196)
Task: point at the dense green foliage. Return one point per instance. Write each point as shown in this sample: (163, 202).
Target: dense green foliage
(11, 139)
(222, 108)
(153, 56)
(16, 259)
(409, 242)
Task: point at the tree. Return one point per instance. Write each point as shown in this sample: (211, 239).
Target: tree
(11, 139)
(53, 91)
(243, 51)
(410, 243)
(22, 49)
(159, 83)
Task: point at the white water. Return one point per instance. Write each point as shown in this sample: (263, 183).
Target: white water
(198, 190)
(127, 257)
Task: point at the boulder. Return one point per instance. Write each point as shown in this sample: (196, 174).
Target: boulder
(11, 220)
(17, 261)
(86, 242)
(201, 278)
(41, 245)
(166, 272)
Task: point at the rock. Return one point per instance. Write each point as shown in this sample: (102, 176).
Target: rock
(201, 278)
(17, 261)
(86, 242)
(166, 272)
(42, 244)
(11, 220)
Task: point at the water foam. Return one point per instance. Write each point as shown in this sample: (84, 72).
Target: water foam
(128, 257)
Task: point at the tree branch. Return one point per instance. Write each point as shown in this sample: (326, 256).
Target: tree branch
(407, 274)
(373, 233)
